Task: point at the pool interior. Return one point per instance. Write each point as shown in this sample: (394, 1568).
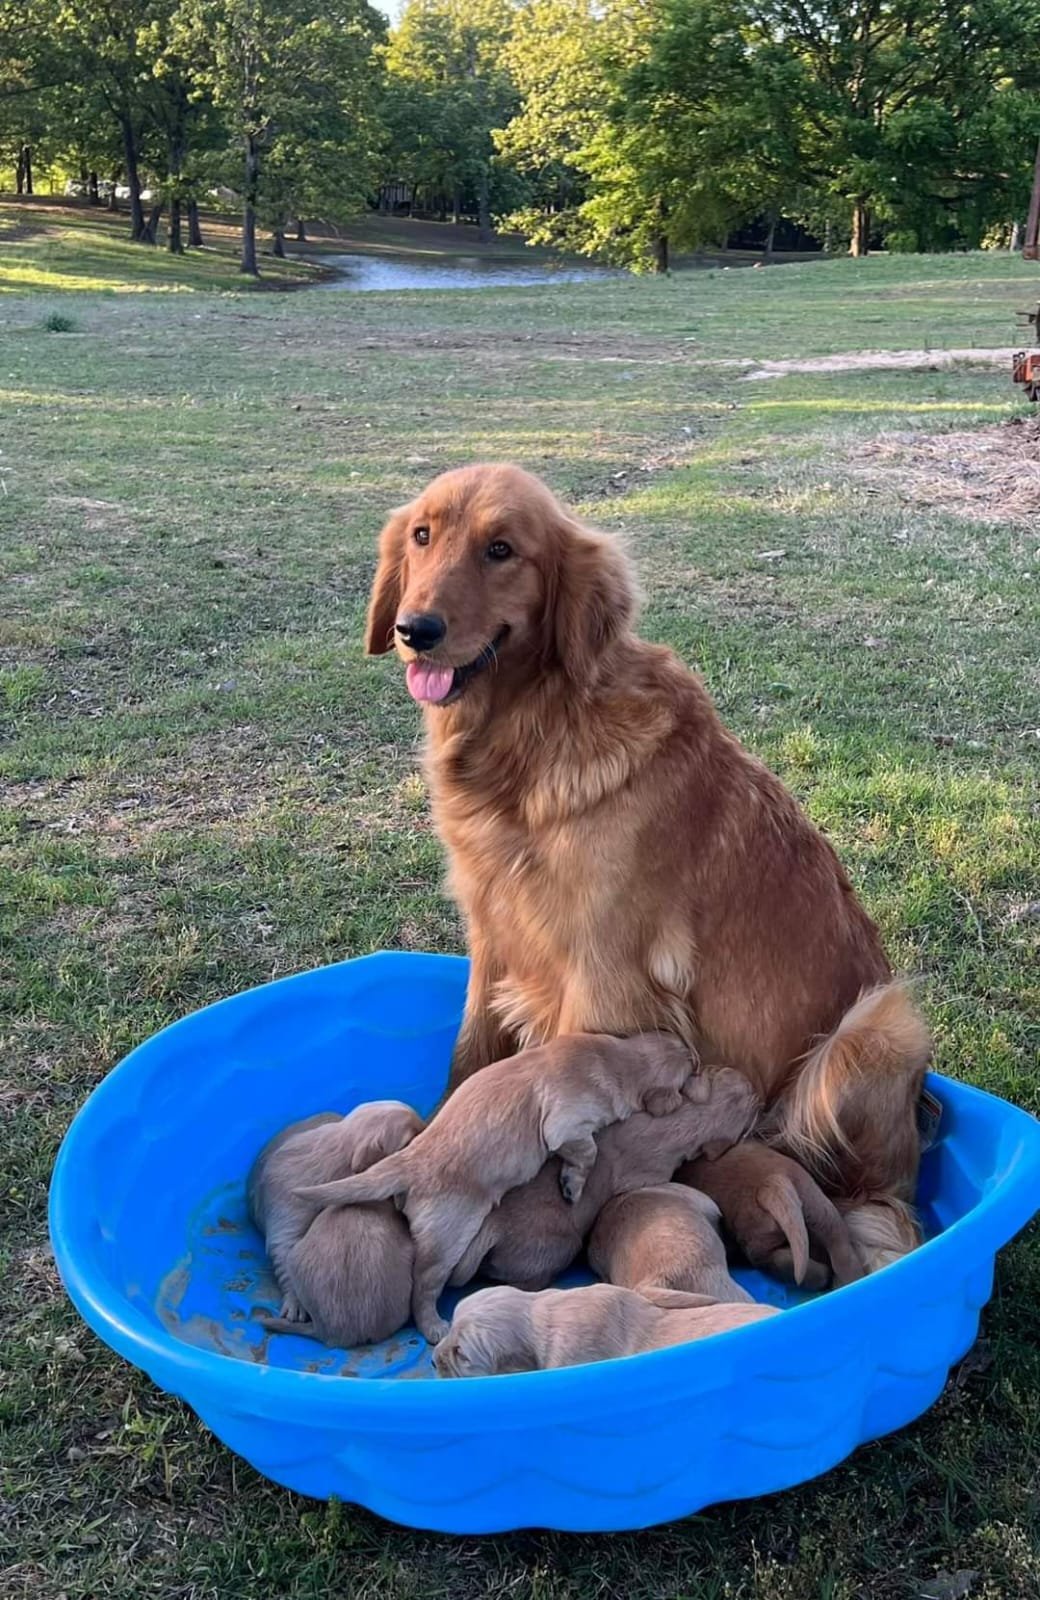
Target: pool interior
(212, 1295)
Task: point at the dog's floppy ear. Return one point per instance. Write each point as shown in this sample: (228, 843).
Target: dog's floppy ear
(386, 587)
(591, 594)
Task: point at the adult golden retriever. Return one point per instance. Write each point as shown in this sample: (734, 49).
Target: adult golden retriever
(621, 861)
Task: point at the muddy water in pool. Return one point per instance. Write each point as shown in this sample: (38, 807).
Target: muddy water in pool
(362, 273)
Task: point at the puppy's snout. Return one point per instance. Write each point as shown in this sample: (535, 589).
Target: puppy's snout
(420, 630)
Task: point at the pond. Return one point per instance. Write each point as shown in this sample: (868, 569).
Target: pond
(363, 273)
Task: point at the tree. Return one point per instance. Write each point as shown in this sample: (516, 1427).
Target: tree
(106, 51)
(448, 56)
(288, 76)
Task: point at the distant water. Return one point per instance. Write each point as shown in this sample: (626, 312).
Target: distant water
(363, 273)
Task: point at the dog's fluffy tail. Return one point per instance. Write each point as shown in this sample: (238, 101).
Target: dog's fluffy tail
(384, 1181)
(869, 1070)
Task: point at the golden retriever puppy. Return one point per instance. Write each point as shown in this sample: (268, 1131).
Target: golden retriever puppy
(533, 1235)
(621, 861)
(350, 1275)
(508, 1330)
(318, 1149)
(498, 1131)
(775, 1211)
(667, 1237)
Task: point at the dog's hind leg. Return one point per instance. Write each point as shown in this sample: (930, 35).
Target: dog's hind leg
(442, 1231)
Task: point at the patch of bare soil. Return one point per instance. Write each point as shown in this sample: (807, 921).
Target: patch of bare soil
(988, 475)
(880, 361)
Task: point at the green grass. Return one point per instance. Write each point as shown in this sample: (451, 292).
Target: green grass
(47, 246)
(204, 785)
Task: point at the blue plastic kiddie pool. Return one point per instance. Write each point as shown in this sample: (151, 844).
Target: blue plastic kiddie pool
(153, 1243)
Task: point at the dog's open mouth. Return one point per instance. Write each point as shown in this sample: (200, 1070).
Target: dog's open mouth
(434, 684)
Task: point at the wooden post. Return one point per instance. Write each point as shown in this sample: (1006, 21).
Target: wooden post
(1031, 246)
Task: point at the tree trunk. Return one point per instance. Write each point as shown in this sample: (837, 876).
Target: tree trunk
(456, 206)
(92, 189)
(483, 207)
(1016, 238)
(278, 247)
(301, 231)
(194, 231)
(442, 207)
(252, 182)
(828, 237)
(113, 203)
(24, 175)
(19, 177)
(661, 253)
(133, 178)
(767, 253)
(174, 242)
(149, 231)
(860, 244)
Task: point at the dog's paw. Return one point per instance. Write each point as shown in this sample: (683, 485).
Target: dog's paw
(697, 1089)
(291, 1309)
(572, 1185)
(433, 1329)
(662, 1102)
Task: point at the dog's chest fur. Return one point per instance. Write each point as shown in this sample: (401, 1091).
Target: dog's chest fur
(542, 843)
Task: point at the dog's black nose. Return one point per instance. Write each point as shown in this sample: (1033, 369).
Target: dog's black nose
(420, 630)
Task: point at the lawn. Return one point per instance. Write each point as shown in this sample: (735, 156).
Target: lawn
(203, 785)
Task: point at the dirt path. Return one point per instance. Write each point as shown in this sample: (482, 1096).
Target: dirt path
(881, 361)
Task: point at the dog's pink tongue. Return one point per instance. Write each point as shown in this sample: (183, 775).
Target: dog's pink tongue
(427, 682)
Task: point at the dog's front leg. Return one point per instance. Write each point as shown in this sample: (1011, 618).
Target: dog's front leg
(482, 1037)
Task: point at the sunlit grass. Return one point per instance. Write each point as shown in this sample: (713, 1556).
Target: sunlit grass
(204, 784)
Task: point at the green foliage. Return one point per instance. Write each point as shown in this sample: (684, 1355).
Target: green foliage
(57, 322)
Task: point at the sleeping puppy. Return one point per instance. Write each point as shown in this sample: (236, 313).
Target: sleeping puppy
(351, 1277)
(506, 1330)
(532, 1235)
(664, 1238)
(773, 1209)
(498, 1130)
(313, 1151)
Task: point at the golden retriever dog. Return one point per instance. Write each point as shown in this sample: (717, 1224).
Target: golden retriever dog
(317, 1150)
(775, 1212)
(499, 1129)
(621, 861)
(533, 1235)
(508, 1330)
(667, 1237)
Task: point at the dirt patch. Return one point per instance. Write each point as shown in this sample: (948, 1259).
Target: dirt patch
(987, 475)
(881, 361)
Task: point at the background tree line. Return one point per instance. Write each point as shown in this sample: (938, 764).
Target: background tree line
(625, 128)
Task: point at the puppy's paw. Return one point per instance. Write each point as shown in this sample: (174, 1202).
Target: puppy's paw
(433, 1329)
(697, 1088)
(662, 1102)
(572, 1184)
(291, 1309)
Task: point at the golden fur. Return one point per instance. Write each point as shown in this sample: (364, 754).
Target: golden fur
(621, 861)
(666, 1237)
(317, 1150)
(499, 1129)
(532, 1235)
(775, 1212)
(506, 1330)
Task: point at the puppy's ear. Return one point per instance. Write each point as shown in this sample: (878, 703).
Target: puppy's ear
(385, 599)
(591, 594)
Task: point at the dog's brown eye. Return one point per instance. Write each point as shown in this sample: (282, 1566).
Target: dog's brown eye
(421, 535)
(499, 550)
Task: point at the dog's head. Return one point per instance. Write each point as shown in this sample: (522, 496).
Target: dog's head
(490, 1333)
(486, 574)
